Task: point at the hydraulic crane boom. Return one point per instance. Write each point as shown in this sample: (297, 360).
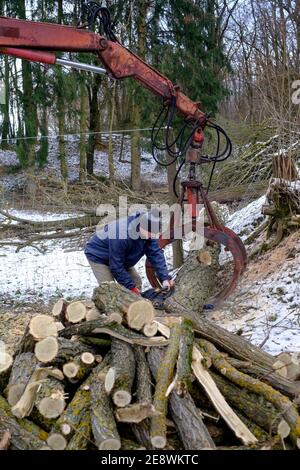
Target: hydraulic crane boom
(29, 40)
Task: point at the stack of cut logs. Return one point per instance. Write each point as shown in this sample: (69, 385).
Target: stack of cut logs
(113, 373)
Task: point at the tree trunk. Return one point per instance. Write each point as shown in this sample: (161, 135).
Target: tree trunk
(83, 119)
(186, 416)
(195, 281)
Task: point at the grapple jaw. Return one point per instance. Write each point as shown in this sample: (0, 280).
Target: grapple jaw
(221, 235)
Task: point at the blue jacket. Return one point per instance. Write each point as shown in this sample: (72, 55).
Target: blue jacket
(116, 247)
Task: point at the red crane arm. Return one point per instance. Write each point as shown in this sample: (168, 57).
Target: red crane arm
(29, 39)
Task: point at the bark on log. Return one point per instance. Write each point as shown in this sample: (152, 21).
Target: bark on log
(104, 426)
(256, 409)
(23, 368)
(115, 330)
(195, 281)
(59, 350)
(98, 342)
(143, 376)
(286, 386)
(85, 328)
(219, 402)
(79, 367)
(69, 420)
(59, 310)
(6, 362)
(82, 437)
(50, 400)
(235, 345)
(184, 364)
(164, 377)
(29, 426)
(123, 362)
(187, 418)
(111, 296)
(281, 402)
(21, 438)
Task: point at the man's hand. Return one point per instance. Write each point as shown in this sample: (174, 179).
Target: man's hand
(168, 284)
(135, 290)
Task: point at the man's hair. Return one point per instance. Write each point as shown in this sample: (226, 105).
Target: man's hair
(151, 221)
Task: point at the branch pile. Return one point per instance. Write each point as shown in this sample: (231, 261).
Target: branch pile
(112, 374)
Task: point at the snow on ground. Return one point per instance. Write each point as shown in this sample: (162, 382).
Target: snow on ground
(150, 171)
(265, 306)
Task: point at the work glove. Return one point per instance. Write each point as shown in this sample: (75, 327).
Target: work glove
(168, 284)
(135, 290)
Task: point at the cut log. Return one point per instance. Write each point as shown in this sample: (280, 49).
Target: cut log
(188, 420)
(268, 375)
(281, 402)
(256, 409)
(99, 342)
(25, 405)
(291, 363)
(123, 362)
(59, 310)
(205, 257)
(111, 296)
(129, 336)
(46, 350)
(93, 314)
(85, 328)
(143, 377)
(69, 420)
(6, 361)
(42, 326)
(150, 329)
(104, 427)
(110, 379)
(233, 344)
(57, 442)
(206, 381)
(195, 282)
(136, 413)
(59, 350)
(22, 370)
(82, 437)
(76, 312)
(50, 400)
(36, 431)
(184, 364)
(164, 377)
(80, 367)
(21, 438)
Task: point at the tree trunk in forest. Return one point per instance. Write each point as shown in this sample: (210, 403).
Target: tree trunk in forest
(83, 119)
(5, 106)
(142, 8)
(112, 106)
(94, 140)
(135, 147)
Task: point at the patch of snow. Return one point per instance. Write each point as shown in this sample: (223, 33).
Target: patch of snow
(244, 221)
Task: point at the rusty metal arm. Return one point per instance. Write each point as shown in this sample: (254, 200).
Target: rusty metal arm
(30, 40)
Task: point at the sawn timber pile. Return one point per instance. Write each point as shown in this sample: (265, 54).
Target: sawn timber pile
(113, 373)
